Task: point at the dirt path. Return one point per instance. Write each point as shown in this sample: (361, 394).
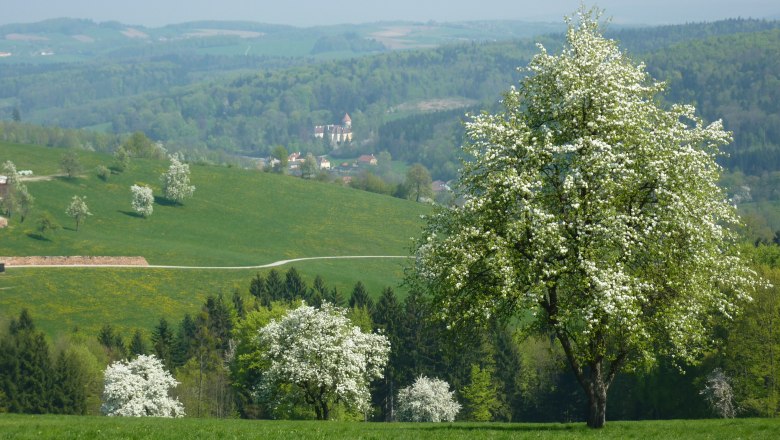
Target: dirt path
(151, 266)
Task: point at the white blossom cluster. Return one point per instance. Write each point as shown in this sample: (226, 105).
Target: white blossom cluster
(139, 388)
(593, 208)
(324, 355)
(719, 394)
(427, 400)
(142, 200)
(176, 181)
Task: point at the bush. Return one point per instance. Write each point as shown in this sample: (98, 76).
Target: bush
(427, 400)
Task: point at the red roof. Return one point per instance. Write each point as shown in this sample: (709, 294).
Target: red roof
(346, 118)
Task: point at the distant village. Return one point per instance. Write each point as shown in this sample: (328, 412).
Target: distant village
(344, 170)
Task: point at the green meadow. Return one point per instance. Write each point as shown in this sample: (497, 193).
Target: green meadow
(58, 427)
(236, 218)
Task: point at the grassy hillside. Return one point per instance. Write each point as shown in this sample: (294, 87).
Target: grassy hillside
(44, 427)
(236, 218)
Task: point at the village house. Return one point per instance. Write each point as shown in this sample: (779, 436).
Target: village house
(336, 134)
(367, 159)
(294, 160)
(323, 163)
(439, 186)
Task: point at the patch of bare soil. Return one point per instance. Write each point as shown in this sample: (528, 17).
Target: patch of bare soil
(134, 33)
(40, 178)
(74, 260)
(25, 37)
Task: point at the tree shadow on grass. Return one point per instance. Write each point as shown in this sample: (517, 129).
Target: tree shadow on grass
(69, 228)
(36, 236)
(131, 214)
(162, 201)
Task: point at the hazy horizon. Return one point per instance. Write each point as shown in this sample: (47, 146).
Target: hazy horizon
(313, 13)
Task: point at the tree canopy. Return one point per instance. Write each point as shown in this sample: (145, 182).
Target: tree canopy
(593, 209)
(324, 357)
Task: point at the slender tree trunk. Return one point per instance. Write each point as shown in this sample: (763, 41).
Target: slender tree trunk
(597, 398)
(325, 411)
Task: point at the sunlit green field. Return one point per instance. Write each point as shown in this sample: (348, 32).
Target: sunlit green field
(71, 427)
(236, 218)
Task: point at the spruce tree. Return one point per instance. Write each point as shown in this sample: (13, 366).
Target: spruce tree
(162, 342)
(294, 286)
(138, 344)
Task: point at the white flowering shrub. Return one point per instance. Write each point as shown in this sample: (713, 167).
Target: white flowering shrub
(427, 400)
(143, 200)
(324, 357)
(593, 208)
(139, 388)
(719, 394)
(176, 181)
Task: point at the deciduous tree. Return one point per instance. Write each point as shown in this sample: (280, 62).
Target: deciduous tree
(143, 200)
(594, 209)
(323, 357)
(78, 210)
(418, 182)
(139, 388)
(176, 181)
(70, 165)
(427, 400)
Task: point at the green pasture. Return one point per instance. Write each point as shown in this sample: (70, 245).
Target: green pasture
(62, 300)
(236, 218)
(91, 427)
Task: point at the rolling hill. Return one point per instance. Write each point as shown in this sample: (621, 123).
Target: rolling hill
(236, 218)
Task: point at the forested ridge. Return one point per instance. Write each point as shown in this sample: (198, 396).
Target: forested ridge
(727, 69)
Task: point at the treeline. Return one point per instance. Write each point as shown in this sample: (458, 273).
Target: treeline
(494, 371)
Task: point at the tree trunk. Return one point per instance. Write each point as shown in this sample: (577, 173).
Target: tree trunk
(597, 404)
(325, 411)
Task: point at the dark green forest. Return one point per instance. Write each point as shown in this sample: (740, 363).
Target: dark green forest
(213, 356)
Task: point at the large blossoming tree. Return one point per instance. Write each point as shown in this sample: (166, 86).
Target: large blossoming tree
(322, 358)
(594, 210)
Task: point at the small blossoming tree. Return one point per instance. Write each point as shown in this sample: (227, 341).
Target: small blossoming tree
(719, 394)
(143, 200)
(596, 210)
(78, 210)
(427, 400)
(324, 358)
(176, 181)
(139, 388)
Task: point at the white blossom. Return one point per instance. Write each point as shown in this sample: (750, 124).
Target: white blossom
(143, 200)
(176, 181)
(427, 400)
(324, 356)
(139, 388)
(593, 208)
(78, 210)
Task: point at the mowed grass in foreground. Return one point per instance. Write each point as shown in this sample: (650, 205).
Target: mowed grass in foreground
(86, 427)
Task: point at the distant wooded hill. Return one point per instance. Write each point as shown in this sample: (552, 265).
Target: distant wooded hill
(728, 69)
